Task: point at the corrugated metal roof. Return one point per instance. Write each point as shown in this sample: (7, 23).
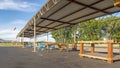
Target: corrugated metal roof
(56, 14)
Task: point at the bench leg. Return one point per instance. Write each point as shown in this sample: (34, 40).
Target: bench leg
(110, 53)
(81, 49)
(92, 48)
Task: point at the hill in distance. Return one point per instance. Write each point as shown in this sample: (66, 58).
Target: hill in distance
(2, 40)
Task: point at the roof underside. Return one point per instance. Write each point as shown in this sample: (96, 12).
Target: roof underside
(56, 14)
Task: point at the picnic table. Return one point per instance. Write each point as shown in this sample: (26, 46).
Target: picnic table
(61, 46)
(110, 58)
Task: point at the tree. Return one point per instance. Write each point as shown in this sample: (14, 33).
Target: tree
(94, 29)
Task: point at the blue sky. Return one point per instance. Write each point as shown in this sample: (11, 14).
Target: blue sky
(16, 13)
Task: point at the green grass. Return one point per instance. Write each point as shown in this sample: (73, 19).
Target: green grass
(10, 44)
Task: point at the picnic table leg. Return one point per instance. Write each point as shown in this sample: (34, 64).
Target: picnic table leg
(47, 48)
(81, 49)
(92, 48)
(110, 53)
(74, 46)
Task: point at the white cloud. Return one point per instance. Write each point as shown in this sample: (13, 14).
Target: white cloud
(18, 22)
(17, 5)
(7, 32)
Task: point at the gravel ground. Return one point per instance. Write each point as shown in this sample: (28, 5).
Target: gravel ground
(17, 57)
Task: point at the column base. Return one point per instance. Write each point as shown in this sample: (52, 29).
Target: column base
(34, 51)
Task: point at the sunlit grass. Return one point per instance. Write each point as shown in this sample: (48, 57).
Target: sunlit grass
(10, 44)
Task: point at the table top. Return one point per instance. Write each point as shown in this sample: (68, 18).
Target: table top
(100, 41)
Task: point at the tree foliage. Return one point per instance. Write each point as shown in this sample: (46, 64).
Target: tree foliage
(94, 29)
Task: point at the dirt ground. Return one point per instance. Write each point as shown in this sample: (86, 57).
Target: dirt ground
(17, 57)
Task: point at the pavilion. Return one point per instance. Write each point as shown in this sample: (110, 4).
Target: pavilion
(56, 14)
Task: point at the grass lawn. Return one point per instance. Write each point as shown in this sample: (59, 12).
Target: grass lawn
(9, 44)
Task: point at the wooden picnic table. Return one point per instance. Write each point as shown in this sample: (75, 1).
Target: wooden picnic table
(61, 46)
(109, 43)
